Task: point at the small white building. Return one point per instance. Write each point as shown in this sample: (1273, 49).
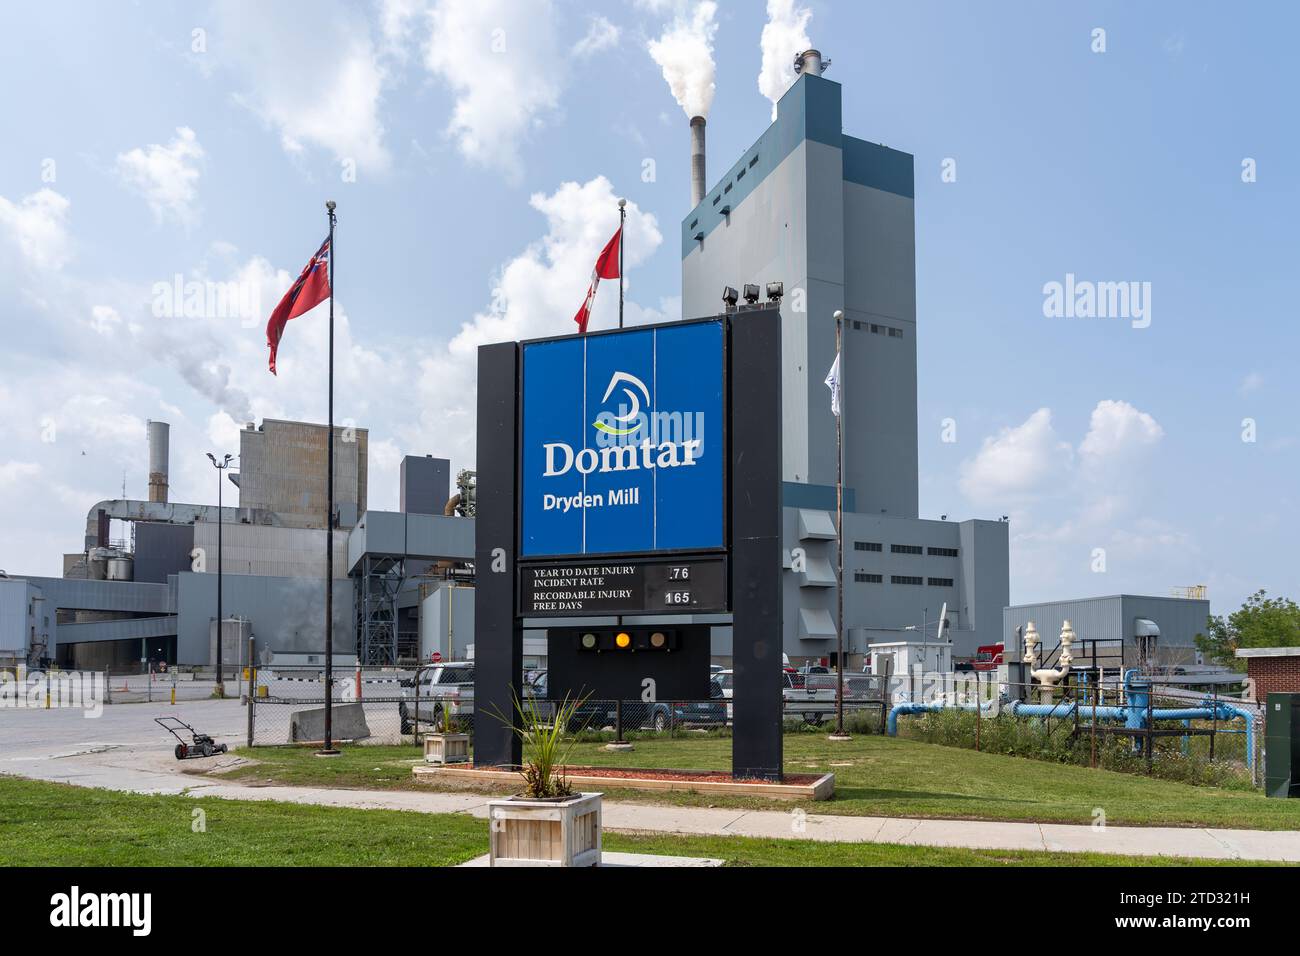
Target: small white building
(904, 657)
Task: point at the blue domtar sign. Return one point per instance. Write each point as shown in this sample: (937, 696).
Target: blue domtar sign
(623, 442)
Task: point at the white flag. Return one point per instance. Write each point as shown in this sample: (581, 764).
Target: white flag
(833, 383)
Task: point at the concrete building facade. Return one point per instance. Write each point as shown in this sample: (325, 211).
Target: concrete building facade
(831, 217)
(282, 470)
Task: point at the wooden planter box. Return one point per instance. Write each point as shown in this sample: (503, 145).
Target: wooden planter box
(528, 832)
(446, 748)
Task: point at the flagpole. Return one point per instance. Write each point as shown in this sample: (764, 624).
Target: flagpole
(328, 749)
(839, 529)
(622, 238)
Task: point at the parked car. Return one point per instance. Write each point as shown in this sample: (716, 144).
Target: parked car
(445, 687)
(595, 714)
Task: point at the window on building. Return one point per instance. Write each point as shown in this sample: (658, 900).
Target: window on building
(753, 161)
(866, 545)
(941, 582)
(716, 198)
(895, 333)
(741, 175)
(867, 578)
(694, 223)
(728, 189)
(943, 552)
(905, 549)
(905, 579)
(875, 328)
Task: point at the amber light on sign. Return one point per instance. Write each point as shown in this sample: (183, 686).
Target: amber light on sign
(623, 639)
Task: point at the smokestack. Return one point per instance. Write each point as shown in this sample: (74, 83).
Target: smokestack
(810, 61)
(698, 183)
(158, 453)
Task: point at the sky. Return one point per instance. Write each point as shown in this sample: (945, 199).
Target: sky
(477, 149)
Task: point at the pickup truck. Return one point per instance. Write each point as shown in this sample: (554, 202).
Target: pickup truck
(804, 695)
(445, 687)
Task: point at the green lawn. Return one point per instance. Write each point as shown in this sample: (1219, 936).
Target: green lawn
(51, 824)
(875, 776)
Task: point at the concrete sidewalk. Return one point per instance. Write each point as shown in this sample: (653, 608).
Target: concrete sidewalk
(104, 769)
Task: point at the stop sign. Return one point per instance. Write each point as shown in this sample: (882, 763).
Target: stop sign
(435, 657)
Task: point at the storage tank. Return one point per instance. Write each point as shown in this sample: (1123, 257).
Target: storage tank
(121, 567)
(97, 563)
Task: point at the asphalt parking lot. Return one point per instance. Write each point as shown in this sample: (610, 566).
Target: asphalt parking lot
(121, 748)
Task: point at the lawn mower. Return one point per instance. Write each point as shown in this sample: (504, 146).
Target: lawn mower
(203, 745)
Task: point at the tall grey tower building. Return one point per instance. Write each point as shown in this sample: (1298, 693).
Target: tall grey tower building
(831, 216)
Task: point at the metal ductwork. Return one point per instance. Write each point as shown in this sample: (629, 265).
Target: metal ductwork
(159, 435)
(97, 519)
(699, 185)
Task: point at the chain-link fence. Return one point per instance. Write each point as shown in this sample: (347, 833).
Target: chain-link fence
(369, 705)
(1098, 720)
(154, 684)
(392, 705)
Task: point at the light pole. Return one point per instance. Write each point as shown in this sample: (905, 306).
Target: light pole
(221, 467)
(840, 733)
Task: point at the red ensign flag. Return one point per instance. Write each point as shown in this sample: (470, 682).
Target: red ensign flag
(606, 268)
(308, 291)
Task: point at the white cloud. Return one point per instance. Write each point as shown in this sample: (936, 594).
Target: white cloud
(1251, 382)
(396, 19)
(311, 73)
(166, 176)
(784, 35)
(540, 289)
(1075, 512)
(601, 35)
(37, 225)
(14, 473)
(1017, 462)
(104, 319)
(684, 52)
(502, 61)
(1116, 431)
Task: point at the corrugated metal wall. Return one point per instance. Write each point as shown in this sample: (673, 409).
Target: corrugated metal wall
(288, 614)
(1109, 618)
(282, 468)
(279, 552)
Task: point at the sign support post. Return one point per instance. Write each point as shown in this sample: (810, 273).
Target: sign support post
(498, 636)
(756, 567)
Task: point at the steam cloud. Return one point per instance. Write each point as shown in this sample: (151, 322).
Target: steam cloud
(784, 35)
(685, 54)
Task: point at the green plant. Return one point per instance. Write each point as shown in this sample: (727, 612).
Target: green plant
(546, 745)
(1057, 743)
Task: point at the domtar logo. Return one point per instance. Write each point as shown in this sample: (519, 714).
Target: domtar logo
(633, 413)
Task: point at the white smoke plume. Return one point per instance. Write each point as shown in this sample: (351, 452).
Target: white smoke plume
(685, 54)
(784, 35)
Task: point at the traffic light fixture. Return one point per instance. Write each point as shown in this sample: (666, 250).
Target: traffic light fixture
(627, 640)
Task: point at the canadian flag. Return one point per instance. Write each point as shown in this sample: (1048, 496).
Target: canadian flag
(606, 268)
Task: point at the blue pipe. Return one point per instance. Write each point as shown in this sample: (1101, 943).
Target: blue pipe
(1134, 713)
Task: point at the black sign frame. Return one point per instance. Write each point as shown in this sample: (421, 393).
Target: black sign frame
(753, 523)
(716, 600)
